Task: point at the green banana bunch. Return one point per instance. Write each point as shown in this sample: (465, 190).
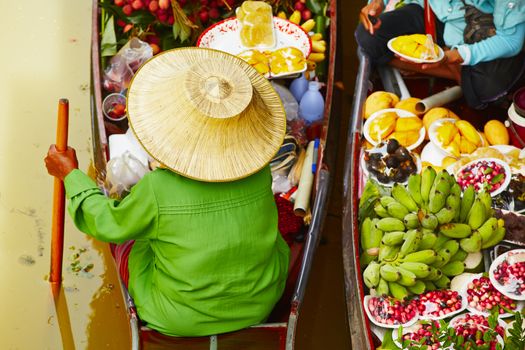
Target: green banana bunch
(371, 237)
(397, 210)
(387, 252)
(447, 214)
(371, 275)
(443, 282)
(487, 229)
(411, 243)
(455, 230)
(427, 256)
(443, 257)
(461, 255)
(398, 291)
(437, 201)
(418, 288)
(380, 210)
(429, 221)
(390, 224)
(434, 274)
(486, 199)
(400, 193)
(430, 286)
(427, 180)
(421, 270)
(411, 221)
(497, 236)
(452, 246)
(386, 200)
(466, 203)
(414, 187)
(427, 241)
(406, 278)
(389, 273)
(471, 244)
(453, 268)
(393, 238)
(382, 287)
(476, 216)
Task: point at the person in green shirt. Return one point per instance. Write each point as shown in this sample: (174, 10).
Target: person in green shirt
(206, 255)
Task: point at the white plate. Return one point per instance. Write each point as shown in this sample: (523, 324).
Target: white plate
(373, 320)
(496, 284)
(506, 167)
(366, 173)
(458, 318)
(225, 36)
(519, 305)
(433, 154)
(432, 135)
(435, 318)
(441, 54)
(402, 114)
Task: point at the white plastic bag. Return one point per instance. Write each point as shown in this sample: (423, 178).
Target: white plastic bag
(290, 105)
(122, 173)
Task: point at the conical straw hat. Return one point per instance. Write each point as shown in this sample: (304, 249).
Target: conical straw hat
(205, 114)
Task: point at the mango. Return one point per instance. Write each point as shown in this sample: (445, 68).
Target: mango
(446, 132)
(405, 138)
(409, 124)
(379, 100)
(496, 133)
(448, 161)
(382, 126)
(466, 146)
(409, 104)
(469, 131)
(436, 113)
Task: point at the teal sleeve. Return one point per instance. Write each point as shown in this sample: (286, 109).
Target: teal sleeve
(107, 219)
(506, 43)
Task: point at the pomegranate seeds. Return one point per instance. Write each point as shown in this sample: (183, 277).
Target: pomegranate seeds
(391, 312)
(482, 175)
(439, 304)
(482, 297)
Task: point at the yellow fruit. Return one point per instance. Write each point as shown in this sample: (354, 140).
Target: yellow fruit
(256, 6)
(405, 138)
(446, 132)
(409, 124)
(466, 146)
(466, 129)
(409, 104)
(484, 140)
(319, 46)
(412, 45)
(282, 15)
(453, 148)
(382, 126)
(262, 68)
(496, 133)
(316, 37)
(379, 100)
(316, 57)
(295, 17)
(437, 113)
(447, 161)
(308, 25)
(424, 165)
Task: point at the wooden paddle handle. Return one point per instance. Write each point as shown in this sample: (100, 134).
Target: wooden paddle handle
(57, 223)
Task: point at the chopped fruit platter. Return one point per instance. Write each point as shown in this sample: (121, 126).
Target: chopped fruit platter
(490, 174)
(414, 48)
(507, 274)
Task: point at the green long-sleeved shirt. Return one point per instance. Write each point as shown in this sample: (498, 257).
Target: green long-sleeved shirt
(208, 257)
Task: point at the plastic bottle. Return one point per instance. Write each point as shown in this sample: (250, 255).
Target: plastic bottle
(298, 87)
(311, 107)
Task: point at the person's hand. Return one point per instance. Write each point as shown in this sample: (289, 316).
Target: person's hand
(451, 57)
(60, 164)
(369, 15)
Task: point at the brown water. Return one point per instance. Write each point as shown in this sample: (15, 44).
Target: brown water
(45, 56)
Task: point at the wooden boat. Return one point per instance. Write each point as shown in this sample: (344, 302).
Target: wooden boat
(280, 330)
(364, 334)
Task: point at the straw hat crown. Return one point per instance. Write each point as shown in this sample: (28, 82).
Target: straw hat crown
(205, 114)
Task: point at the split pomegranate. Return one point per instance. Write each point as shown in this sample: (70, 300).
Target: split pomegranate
(511, 276)
(483, 296)
(482, 175)
(389, 311)
(423, 335)
(438, 303)
(473, 327)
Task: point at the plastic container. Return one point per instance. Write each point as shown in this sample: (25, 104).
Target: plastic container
(311, 107)
(517, 118)
(114, 107)
(298, 87)
(256, 24)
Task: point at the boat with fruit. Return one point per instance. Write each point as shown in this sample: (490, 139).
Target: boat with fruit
(433, 223)
(127, 33)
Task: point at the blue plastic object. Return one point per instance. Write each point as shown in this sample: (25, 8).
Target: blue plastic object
(311, 107)
(298, 87)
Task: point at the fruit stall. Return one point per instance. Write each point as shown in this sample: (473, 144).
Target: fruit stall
(433, 231)
(292, 44)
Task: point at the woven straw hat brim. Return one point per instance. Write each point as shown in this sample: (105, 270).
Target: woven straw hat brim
(201, 142)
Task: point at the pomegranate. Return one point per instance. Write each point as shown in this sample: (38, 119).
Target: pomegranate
(483, 297)
(439, 303)
(390, 311)
(511, 275)
(483, 174)
(473, 327)
(423, 335)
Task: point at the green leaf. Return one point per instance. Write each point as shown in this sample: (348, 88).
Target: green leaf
(497, 179)
(185, 33)
(108, 43)
(176, 30)
(141, 17)
(315, 6)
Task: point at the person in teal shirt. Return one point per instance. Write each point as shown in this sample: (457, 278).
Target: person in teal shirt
(487, 68)
(206, 255)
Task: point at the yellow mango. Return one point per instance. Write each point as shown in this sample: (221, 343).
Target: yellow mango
(454, 149)
(466, 146)
(408, 124)
(469, 131)
(409, 104)
(436, 113)
(496, 133)
(405, 138)
(448, 161)
(379, 100)
(382, 126)
(446, 132)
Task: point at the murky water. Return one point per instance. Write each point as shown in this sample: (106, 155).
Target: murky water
(45, 56)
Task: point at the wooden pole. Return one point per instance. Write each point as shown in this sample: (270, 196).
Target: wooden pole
(57, 226)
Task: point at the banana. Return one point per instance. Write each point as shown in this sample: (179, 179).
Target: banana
(436, 201)
(371, 274)
(421, 270)
(397, 291)
(434, 274)
(476, 215)
(388, 253)
(447, 214)
(418, 288)
(443, 257)
(455, 230)
(295, 17)
(430, 286)
(308, 25)
(386, 200)
(440, 241)
(442, 183)
(389, 273)
(370, 235)
(487, 229)
(455, 188)
(427, 240)
(282, 15)
(411, 221)
(452, 246)
(453, 268)
(429, 221)
(427, 256)
(411, 243)
(466, 203)
(454, 203)
(316, 37)
(397, 210)
(461, 255)
(372, 251)
(365, 259)
(316, 57)
(471, 244)
(390, 224)
(427, 180)
(393, 238)
(497, 236)
(443, 282)
(414, 187)
(319, 46)
(406, 278)
(400, 193)
(382, 287)
(486, 199)
(381, 211)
